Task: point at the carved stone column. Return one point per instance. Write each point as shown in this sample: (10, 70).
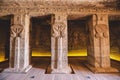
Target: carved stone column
(59, 44)
(99, 46)
(19, 44)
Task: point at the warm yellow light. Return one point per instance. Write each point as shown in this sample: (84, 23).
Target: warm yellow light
(115, 56)
(77, 53)
(40, 53)
(74, 53)
(2, 56)
(70, 53)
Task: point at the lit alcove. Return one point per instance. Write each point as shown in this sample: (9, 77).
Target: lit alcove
(5, 24)
(114, 30)
(77, 38)
(40, 40)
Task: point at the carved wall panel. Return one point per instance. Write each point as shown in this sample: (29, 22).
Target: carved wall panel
(41, 34)
(41, 7)
(77, 35)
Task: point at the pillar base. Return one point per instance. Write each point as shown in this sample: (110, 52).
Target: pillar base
(13, 70)
(102, 70)
(66, 70)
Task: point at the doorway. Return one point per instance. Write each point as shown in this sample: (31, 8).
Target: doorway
(5, 23)
(40, 40)
(114, 27)
(77, 38)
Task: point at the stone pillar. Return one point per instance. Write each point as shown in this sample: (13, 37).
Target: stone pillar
(19, 44)
(59, 44)
(99, 46)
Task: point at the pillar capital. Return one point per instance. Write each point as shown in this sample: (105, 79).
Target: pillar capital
(59, 25)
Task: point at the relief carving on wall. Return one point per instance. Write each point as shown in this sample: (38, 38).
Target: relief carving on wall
(58, 29)
(25, 7)
(16, 30)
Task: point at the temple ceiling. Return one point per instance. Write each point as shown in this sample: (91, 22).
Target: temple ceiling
(81, 3)
(75, 9)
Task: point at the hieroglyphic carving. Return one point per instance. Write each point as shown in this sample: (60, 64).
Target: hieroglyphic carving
(19, 8)
(58, 29)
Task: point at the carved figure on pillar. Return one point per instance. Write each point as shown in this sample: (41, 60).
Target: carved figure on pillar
(101, 34)
(102, 40)
(58, 30)
(101, 31)
(98, 49)
(16, 31)
(58, 34)
(59, 62)
(19, 44)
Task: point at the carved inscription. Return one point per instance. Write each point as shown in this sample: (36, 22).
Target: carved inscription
(52, 9)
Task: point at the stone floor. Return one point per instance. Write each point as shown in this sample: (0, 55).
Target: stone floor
(81, 72)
